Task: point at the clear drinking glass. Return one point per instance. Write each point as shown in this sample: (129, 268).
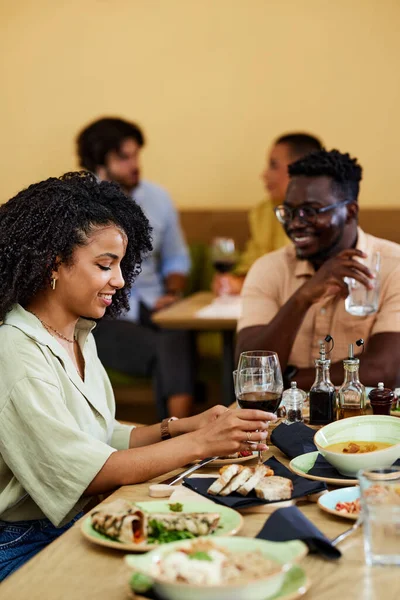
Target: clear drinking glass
(362, 301)
(259, 382)
(380, 504)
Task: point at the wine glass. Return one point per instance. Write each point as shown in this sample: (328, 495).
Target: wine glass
(259, 382)
(224, 256)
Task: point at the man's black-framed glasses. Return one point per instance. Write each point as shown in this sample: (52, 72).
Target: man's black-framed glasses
(285, 214)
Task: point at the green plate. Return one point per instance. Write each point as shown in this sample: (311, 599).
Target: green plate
(295, 585)
(230, 523)
(301, 465)
(287, 582)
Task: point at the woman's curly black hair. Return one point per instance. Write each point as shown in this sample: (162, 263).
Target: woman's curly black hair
(42, 225)
(345, 171)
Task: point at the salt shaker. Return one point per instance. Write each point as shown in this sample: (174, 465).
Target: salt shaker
(293, 400)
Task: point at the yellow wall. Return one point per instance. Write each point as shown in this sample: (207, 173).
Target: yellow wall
(211, 81)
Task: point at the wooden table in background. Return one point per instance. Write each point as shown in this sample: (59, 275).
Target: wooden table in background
(182, 315)
(72, 568)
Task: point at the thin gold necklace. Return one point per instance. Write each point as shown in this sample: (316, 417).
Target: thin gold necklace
(50, 328)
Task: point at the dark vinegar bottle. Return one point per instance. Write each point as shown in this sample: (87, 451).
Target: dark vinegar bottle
(322, 392)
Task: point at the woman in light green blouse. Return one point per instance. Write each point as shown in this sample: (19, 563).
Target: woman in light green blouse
(70, 249)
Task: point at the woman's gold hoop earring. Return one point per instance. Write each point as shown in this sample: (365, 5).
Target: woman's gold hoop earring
(53, 283)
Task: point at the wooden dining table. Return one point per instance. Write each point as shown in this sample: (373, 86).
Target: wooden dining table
(73, 568)
(184, 315)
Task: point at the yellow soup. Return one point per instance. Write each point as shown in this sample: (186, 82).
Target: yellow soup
(358, 447)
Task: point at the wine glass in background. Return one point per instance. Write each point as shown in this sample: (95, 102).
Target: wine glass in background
(224, 256)
(259, 382)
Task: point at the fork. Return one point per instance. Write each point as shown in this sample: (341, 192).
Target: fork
(348, 532)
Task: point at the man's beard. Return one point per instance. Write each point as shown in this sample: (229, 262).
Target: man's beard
(325, 253)
(127, 187)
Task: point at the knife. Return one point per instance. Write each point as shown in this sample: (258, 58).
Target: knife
(202, 463)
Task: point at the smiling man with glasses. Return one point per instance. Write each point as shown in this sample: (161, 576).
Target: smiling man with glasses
(294, 297)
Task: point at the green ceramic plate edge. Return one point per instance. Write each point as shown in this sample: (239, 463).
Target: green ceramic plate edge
(230, 519)
(294, 580)
(295, 584)
(305, 462)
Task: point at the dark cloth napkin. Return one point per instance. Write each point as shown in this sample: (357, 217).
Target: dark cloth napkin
(301, 487)
(294, 440)
(324, 469)
(289, 523)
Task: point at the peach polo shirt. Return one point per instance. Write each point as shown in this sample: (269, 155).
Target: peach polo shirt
(275, 277)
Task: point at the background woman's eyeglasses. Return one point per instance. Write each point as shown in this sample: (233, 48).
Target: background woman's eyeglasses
(285, 214)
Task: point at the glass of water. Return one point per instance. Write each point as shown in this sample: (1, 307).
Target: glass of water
(380, 505)
(362, 301)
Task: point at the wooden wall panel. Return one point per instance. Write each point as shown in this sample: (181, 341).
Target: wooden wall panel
(203, 225)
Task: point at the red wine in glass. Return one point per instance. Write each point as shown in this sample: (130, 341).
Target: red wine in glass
(267, 401)
(224, 266)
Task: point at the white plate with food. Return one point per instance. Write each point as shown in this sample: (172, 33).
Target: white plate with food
(344, 502)
(237, 458)
(142, 526)
(217, 569)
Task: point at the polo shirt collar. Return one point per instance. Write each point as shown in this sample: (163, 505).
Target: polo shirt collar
(303, 268)
(362, 241)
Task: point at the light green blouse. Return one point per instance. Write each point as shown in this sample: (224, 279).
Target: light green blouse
(56, 431)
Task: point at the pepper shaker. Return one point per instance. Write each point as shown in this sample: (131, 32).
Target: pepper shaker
(293, 400)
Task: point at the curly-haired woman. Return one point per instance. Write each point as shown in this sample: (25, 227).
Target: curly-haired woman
(70, 249)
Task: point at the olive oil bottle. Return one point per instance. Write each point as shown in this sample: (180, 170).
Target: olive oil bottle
(352, 392)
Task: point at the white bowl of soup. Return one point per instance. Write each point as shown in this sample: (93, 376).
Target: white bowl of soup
(370, 441)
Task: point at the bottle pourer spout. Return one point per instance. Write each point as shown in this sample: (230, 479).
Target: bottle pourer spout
(351, 351)
(322, 354)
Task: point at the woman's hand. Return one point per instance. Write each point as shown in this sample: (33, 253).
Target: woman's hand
(203, 419)
(231, 430)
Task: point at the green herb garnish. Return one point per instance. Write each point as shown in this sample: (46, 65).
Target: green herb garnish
(200, 556)
(161, 535)
(177, 507)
